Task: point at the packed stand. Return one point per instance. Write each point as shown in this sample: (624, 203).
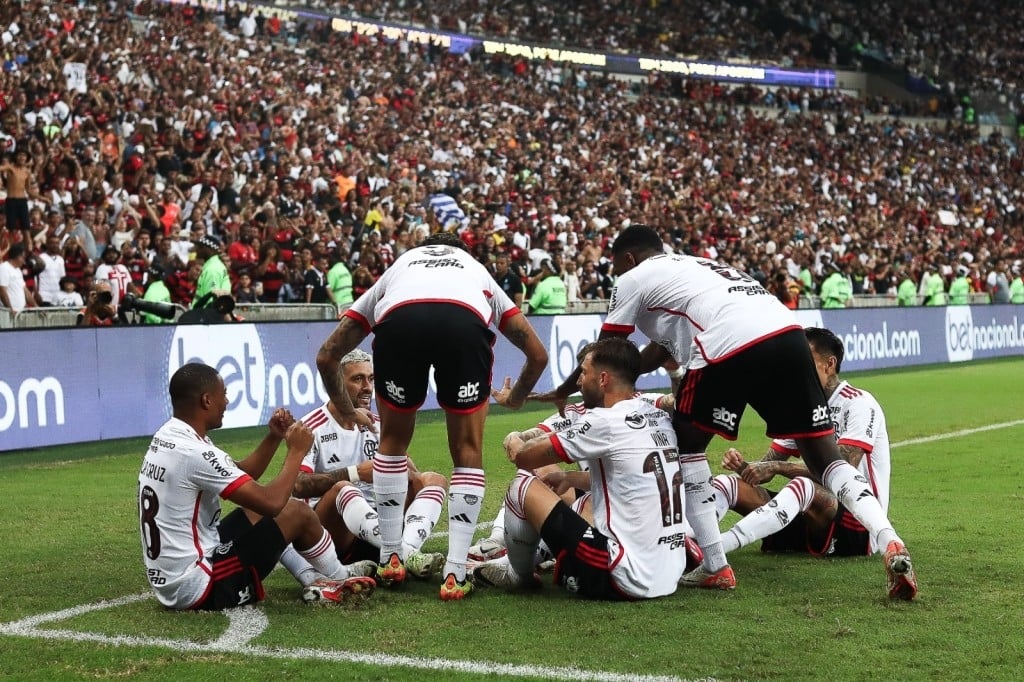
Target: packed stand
(307, 172)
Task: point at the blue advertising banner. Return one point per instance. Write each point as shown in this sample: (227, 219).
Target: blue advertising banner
(112, 383)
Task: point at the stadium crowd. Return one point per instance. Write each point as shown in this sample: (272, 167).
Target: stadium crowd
(950, 49)
(300, 150)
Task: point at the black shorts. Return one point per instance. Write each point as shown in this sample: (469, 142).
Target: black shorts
(845, 536)
(359, 550)
(775, 376)
(581, 555)
(16, 213)
(246, 555)
(448, 336)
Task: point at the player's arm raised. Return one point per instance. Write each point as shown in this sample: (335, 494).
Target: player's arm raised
(257, 462)
(270, 499)
(346, 337)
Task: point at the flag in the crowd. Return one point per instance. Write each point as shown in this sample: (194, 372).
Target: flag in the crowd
(447, 211)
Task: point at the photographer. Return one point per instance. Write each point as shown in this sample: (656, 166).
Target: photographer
(99, 307)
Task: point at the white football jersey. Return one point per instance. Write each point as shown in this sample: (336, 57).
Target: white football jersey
(434, 274)
(335, 447)
(700, 311)
(859, 421)
(637, 489)
(180, 483)
(575, 411)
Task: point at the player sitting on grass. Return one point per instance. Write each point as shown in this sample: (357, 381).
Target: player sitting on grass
(568, 484)
(635, 547)
(194, 558)
(336, 477)
(804, 516)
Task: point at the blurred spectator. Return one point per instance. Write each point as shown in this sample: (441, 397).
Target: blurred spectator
(14, 292)
(549, 297)
(68, 297)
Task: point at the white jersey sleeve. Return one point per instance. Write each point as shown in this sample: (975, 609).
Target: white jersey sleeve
(637, 492)
(180, 483)
(434, 274)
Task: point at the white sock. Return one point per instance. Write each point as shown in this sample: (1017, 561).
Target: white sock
(298, 567)
(421, 517)
(498, 527)
(324, 558)
(853, 492)
(465, 496)
(770, 518)
(390, 487)
(726, 492)
(358, 515)
(700, 509)
(521, 538)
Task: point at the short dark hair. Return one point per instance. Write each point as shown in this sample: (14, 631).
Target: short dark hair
(16, 250)
(445, 239)
(190, 381)
(637, 239)
(617, 355)
(825, 342)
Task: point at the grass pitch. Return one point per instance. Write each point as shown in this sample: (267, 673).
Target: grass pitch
(69, 538)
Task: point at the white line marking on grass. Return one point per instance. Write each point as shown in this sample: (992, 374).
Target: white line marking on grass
(957, 434)
(248, 622)
(244, 625)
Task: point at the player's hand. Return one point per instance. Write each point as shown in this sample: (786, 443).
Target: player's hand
(756, 473)
(558, 481)
(299, 438)
(501, 395)
(550, 397)
(732, 460)
(365, 470)
(360, 416)
(513, 444)
(280, 421)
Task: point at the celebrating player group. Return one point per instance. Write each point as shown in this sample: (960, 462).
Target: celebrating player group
(349, 511)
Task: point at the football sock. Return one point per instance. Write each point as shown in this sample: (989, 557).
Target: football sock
(726, 492)
(465, 497)
(853, 492)
(420, 518)
(358, 515)
(521, 538)
(324, 558)
(770, 518)
(390, 487)
(298, 567)
(498, 527)
(700, 509)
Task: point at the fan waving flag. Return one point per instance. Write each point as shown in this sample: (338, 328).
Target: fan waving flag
(447, 211)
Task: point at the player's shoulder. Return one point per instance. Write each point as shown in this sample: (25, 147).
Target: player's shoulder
(852, 394)
(317, 418)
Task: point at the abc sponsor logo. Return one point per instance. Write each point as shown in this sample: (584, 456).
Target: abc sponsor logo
(238, 358)
(959, 333)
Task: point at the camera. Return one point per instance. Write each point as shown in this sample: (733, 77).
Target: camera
(132, 302)
(104, 297)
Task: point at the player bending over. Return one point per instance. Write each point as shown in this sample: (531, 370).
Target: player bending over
(803, 516)
(335, 478)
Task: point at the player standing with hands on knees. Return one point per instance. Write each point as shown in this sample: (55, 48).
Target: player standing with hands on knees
(433, 307)
(739, 345)
(194, 558)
